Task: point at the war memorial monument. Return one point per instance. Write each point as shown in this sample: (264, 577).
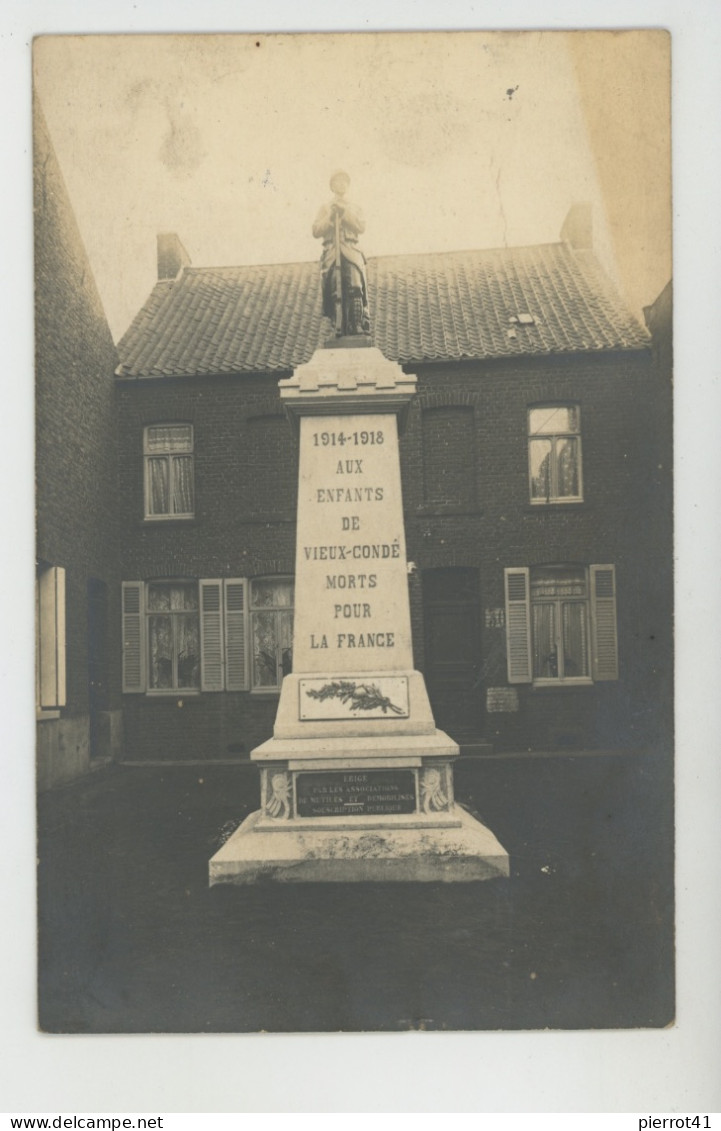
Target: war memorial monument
(356, 783)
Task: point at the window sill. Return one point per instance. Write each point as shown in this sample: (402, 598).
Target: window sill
(457, 510)
(42, 716)
(554, 504)
(180, 696)
(559, 684)
(265, 692)
(168, 519)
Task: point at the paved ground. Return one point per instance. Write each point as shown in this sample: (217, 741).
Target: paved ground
(133, 940)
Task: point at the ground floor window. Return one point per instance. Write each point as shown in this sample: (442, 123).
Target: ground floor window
(218, 634)
(561, 624)
(271, 615)
(173, 635)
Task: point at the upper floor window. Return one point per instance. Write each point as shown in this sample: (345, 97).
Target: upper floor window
(271, 614)
(554, 454)
(168, 455)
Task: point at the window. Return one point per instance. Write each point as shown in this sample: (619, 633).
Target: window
(168, 455)
(50, 637)
(271, 612)
(559, 628)
(173, 635)
(554, 454)
(561, 624)
(184, 636)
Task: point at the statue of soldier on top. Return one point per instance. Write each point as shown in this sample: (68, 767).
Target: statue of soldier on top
(345, 291)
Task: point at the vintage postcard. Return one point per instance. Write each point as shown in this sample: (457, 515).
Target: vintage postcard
(354, 576)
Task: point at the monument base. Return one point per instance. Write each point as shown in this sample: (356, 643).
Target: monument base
(461, 851)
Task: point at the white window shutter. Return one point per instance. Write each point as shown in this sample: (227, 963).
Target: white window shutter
(518, 625)
(604, 636)
(236, 634)
(134, 645)
(60, 634)
(212, 658)
(51, 626)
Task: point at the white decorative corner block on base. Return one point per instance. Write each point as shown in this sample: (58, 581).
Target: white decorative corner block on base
(357, 781)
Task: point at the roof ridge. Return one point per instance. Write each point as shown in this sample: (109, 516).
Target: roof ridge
(191, 268)
(468, 251)
(194, 269)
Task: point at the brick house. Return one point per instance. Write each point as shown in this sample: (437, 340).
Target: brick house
(77, 581)
(535, 464)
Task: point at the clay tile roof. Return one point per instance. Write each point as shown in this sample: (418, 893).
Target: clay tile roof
(446, 306)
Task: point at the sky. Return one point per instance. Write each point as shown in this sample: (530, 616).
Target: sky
(451, 140)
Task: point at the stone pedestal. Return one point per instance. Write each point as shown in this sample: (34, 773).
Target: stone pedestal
(356, 782)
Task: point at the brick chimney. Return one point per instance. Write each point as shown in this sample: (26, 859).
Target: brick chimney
(172, 256)
(577, 230)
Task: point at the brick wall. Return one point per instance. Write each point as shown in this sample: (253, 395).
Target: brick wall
(75, 456)
(624, 520)
(244, 503)
(448, 483)
(246, 475)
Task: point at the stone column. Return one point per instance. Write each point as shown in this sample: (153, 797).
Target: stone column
(356, 782)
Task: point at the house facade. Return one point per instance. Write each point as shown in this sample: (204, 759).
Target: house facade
(535, 463)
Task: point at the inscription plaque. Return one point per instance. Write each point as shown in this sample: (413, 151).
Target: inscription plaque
(501, 699)
(351, 583)
(355, 793)
(347, 698)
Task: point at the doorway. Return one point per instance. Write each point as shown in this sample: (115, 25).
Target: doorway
(98, 700)
(452, 619)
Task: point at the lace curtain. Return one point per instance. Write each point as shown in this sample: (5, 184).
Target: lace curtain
(170, 477)
(173, 637)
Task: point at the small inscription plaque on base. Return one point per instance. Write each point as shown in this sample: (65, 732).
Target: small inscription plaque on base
(355, 793)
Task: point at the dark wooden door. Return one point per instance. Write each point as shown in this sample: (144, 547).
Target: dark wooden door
(98, 666)
(452, 617)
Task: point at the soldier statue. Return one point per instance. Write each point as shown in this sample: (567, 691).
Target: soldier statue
(345, 292)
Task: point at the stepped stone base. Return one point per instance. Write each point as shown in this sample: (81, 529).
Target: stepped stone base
(410, 849)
